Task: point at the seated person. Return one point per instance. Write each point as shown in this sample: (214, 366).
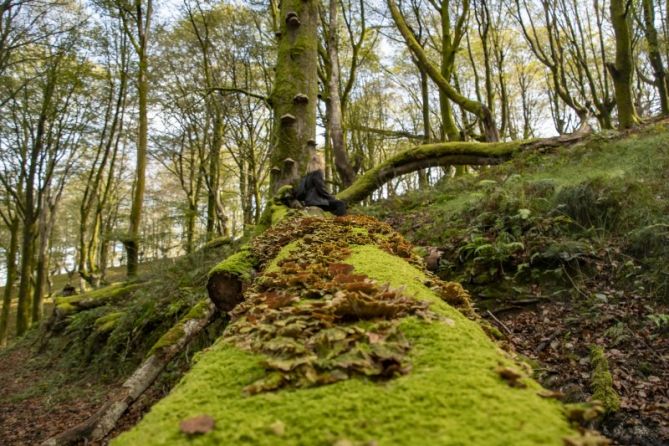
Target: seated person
(312, 192)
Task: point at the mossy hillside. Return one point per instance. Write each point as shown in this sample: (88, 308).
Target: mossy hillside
(175, 333)
(453, 393)
(112, 338)
(521, 223)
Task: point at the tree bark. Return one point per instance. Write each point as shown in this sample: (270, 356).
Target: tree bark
(654, 54)
(622, 70)
(141, 16)
(10, 280)
(336, 131)
(295, 93)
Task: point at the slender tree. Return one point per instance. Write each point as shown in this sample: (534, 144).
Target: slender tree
(136, 16)
(623, 68)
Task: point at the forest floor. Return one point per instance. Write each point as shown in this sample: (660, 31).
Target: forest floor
(559, 258)
(37, 402)
(38, 399)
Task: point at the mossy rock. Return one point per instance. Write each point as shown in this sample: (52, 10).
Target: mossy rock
(456, 391)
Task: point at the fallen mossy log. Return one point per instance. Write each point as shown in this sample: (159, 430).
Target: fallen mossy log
(68, 305)
(446, 154)
(100, 424)
(342, 339)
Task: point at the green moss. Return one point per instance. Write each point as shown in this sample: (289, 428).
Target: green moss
(284, 253)
(175, 333)
(239, 265)
(279, 212)
(602, 382)
(168, 339)
(359, 231)
(108, 293)
(453, 394)
(198, 311)
(108, 322)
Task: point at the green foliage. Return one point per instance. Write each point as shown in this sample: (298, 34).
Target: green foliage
(521, 223)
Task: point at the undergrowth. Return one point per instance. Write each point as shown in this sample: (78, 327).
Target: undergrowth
(107, 342)
(538, 224)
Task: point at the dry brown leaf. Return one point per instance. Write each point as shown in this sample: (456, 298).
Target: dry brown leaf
(200, 424)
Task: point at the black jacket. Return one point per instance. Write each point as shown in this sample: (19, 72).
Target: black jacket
(311, 190)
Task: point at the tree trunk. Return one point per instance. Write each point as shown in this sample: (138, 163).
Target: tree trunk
(621, 71)
(336, 132)
(654, 54)
(461, 153)
(214, 171)
(295, 93)
(132, 242)
(10, 280)
(423, 180)
(140, 18)
(41, 264)
(347, 341)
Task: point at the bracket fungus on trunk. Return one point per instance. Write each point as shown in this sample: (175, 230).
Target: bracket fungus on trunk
(301, 99)
(292, 20)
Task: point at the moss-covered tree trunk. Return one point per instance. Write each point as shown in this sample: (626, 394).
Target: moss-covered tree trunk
(655, 55)
(136, 22)
(343, 339)
(622, 70)
(295, 91)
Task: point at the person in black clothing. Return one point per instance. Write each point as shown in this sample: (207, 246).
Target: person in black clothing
(312, 192)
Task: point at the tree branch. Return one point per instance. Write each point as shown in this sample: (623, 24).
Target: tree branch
(443, 154)
(223, 90)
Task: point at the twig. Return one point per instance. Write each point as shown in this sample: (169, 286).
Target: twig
(501, 324)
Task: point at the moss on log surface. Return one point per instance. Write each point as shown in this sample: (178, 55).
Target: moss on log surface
(345, 340)
(97, 297)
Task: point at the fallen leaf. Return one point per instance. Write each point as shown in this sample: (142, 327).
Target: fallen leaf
(278, 428)
(200, 424)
